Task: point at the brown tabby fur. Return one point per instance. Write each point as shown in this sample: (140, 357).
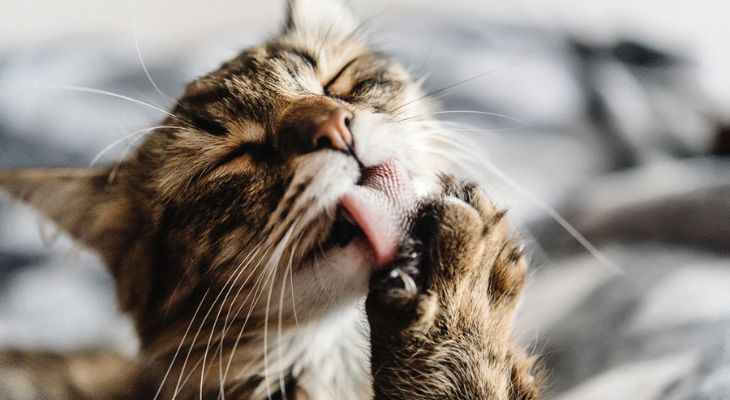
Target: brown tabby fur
(190, 224)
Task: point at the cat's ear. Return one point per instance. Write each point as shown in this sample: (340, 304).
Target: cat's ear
(83, 203)
(318, 19)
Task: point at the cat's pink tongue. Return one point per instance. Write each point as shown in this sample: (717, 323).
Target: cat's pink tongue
(380, 205)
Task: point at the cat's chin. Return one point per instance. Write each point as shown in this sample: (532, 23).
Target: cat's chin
(338, 275)
(347, 238)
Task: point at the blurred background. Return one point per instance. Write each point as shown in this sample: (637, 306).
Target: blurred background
(614, 115)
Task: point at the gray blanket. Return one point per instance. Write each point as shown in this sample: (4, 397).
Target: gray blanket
(617, 138)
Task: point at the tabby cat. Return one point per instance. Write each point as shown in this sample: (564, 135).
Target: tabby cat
(287, 186)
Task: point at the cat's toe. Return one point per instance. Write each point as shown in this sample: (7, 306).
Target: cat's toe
(507, 276)
(452, 232)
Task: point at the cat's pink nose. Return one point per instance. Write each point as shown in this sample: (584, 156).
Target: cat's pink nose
(333, 131)
(315, 123)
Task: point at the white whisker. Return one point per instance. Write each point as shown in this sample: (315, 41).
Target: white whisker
(476, 112)
(275, 268)
(82, 89)
(174, 357)
(478, 159)
(434, 94)
(108, 148)
(276, 261)
(230, 282)
(139, 52)
(238, 271)
(257, 294)
(192, 344)
(282, 290)
(254, 291)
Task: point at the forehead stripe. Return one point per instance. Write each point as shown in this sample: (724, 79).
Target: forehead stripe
(207, 95)
(278, 50)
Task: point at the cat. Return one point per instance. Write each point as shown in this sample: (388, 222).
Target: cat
(298, 179)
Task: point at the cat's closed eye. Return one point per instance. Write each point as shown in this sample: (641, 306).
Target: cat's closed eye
(252, 150)
(328, 86)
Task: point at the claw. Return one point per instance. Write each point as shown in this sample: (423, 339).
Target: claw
(408, 283)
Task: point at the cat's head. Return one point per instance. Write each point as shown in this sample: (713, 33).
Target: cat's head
(285, 172)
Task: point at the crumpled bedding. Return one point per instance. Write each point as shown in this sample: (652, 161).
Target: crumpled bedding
(615, 137)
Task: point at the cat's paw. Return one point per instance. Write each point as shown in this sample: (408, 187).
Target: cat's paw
(459, 253)
(448, 303)
(470, 251)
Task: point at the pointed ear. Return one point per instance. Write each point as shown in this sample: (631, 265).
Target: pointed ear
(317, 19)
(81, 202)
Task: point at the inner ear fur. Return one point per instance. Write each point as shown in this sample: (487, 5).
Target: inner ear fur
(83, 203)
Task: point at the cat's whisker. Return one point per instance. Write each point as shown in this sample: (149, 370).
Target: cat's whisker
(290, 270)
(282, 290)
(190, 374)
(276, 261)
(221, 355)
(82, 89)
(230, 282)
(108, 148)
(555, 215)
(257, 293)
(293, 302)
(476, 112)
(275, 268)
(179, 347)
(135, 33)
(452, 86)
(114, 171)
(444, 127)
(226, 325)
(315, 264)
(432, 99)
(253, 291)
(477, 160)
(228, 322)
(194, 341)
(142, 96)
